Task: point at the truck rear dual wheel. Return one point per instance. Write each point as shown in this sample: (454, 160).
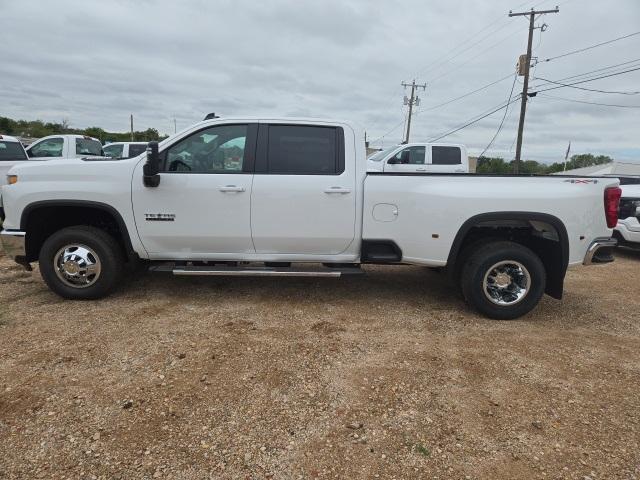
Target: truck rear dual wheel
(503, 280)
(81, 263)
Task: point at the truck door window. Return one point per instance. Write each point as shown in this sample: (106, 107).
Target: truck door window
(410, 156)
(11, 151)
(219, 149)
(113, 151)
(135, 150)
(303, 150)
(446, 156)
(47, 148)
(88, 146)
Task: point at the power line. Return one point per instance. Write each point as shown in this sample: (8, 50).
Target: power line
(585, 88)
(591, 79)
(589, 48)
(467, 94)
(515, 76)
(392, 129)
(588, 103)
(474, 57)
(598, 70)
(475, 120)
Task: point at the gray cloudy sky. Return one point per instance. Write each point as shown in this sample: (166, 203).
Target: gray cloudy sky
(94, 62)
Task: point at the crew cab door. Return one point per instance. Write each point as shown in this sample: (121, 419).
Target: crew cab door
(304, 193)
(201, 209)
(409, 159)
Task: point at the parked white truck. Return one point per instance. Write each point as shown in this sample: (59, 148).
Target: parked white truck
(11, 153)
(64, 146)
(420, 158)
(627, 231)
(268, 197)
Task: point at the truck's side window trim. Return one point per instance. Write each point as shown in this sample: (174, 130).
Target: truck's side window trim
(265, 166)
(248, 163)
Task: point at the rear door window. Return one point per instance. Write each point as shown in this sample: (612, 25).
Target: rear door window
(446, 156)
(88, 146)
(113, 151)
(304, 150)
(11, 151)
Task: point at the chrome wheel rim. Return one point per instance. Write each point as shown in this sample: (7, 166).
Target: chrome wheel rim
(506, 283)
(77, 266)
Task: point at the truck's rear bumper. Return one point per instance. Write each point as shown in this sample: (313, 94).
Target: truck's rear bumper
(600, 251)
(13, 243)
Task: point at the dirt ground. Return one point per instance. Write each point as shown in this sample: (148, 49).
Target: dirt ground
(387, 375)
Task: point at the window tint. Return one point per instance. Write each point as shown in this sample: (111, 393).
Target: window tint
(11, 151)
(113, 151)
(217, 149)
(446, 156)
(303, 150)
(88, 146)
(135, 150)
(47, 148)
(410, 156)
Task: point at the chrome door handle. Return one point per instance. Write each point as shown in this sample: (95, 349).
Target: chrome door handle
(421, 169)
(337, 190)
(231, 188)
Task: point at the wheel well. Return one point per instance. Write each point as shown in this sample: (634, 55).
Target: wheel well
(545, 235)
(41, 221)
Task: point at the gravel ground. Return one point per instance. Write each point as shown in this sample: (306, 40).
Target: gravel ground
(388, 375)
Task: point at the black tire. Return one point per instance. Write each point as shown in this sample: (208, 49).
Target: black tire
(101, 243)
(480, 264)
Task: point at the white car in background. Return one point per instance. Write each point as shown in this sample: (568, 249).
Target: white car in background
(124, 149)
(420, 158)
(11, 153)
(627, 230)
(65, 146)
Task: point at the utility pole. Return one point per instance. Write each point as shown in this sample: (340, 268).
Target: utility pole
(175, 126)
(525, 85)
(411, 101)
(132, 127)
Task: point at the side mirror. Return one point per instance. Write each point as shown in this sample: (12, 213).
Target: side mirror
(151, 168)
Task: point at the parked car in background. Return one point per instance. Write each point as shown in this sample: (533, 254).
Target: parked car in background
(420, 158)
(268, 197)
(65, 146)
(11, 153)
(627, 230)
(124, 149)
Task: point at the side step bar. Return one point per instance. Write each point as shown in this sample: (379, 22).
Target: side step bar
(255, 271)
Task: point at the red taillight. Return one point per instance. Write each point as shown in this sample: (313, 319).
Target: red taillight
(611, 205)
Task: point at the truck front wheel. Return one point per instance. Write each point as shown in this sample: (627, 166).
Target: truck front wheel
(503, 280)
(81, 263)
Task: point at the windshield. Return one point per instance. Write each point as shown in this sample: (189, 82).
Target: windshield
(376, 157)
(11, 151)
(88, 146)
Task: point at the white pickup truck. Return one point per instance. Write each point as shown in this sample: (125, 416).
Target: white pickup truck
(64, 146)
(627, 232)
(270, 197)
(420, 158)
(11, 153)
